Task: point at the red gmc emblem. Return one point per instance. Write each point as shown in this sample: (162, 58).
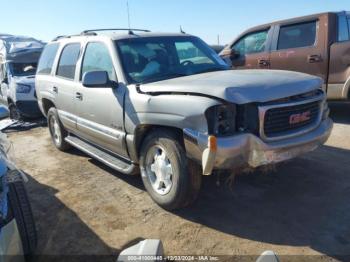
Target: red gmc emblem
(298, 118)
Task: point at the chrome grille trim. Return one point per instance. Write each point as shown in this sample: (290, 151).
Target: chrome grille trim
(321, 98)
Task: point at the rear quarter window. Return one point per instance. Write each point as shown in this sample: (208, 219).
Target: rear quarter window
(297, 35)
(343, 30)
(68, 61)
(47, 59)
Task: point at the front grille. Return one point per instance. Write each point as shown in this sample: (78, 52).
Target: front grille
(278, 122)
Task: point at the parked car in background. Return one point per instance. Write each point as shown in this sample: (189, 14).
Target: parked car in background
(168, 106)
(17, 228)
(18, 61)
(317, 44)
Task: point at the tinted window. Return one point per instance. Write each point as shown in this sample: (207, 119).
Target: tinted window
(343, 32)
(68, 61)
(47, 59)
(298, 35)
(252, 43)
(97, 58)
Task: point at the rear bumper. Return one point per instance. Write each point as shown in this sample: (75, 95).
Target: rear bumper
(249, 150)
(29, 109)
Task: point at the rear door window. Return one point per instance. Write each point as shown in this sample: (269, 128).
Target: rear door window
(47, 59)
(297, 35)
(251, 43)
(68, 61)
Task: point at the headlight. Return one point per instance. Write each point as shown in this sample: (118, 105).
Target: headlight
(221, 120)
(23, 89)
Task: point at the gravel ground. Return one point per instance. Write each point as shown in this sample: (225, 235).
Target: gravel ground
(82, 207)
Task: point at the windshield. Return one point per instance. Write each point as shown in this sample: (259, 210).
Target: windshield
(151, 59)
(23, 69)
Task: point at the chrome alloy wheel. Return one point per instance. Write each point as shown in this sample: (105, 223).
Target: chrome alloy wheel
(159, 170)
(55, 130)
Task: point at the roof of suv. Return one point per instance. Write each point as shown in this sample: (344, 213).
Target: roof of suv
(118, 35)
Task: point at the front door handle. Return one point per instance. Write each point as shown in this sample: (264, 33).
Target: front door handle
(314, 58)
(55, 89)
(79, 96)
(263, 62)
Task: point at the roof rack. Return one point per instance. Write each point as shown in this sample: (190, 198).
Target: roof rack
(93, 32)
(130, 30)
(59, 37)
(62, 36)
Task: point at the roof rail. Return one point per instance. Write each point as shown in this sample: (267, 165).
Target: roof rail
(93, 32)
(59, 37)
(62, 36)
(130, 30)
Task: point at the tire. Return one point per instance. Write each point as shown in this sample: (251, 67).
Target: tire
(14, 112)
(185, 175)
(21, 210)
(57, 131)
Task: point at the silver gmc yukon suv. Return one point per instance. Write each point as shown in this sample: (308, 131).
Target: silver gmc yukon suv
(166, 105)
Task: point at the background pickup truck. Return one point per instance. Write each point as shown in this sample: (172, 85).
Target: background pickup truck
(316, 44)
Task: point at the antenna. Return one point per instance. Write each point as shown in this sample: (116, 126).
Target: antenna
(182, 31)
(128, 12)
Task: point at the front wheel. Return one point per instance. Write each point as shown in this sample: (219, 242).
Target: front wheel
(172, 180)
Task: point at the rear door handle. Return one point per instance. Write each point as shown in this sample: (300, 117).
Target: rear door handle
(314, 58)
(79, 96)
(55, 89)
(263, 62)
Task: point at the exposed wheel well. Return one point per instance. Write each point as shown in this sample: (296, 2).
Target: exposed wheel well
(47, 104)
(143, 130)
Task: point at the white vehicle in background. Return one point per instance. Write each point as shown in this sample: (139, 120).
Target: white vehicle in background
(19, 56)
(18, 236)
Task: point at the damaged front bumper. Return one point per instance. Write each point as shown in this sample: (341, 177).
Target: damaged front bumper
(249, 150)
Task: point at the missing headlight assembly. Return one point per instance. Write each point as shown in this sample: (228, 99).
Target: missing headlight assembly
(221, 120)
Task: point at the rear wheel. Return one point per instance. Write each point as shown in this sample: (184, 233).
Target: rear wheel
(169, 177)
(57, 131)
(22, 212)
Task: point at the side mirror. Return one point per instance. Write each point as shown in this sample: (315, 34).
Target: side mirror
(96, 79)
(229, 53)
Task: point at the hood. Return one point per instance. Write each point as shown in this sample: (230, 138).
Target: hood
(24, 80)
(240, 86)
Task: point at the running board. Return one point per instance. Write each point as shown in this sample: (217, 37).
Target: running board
(102, 156)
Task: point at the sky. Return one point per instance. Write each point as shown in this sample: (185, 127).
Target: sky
(208, 19)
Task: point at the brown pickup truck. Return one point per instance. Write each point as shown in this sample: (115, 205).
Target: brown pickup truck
(317, 44)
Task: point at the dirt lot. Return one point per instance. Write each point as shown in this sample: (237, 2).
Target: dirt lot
(83, 207)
